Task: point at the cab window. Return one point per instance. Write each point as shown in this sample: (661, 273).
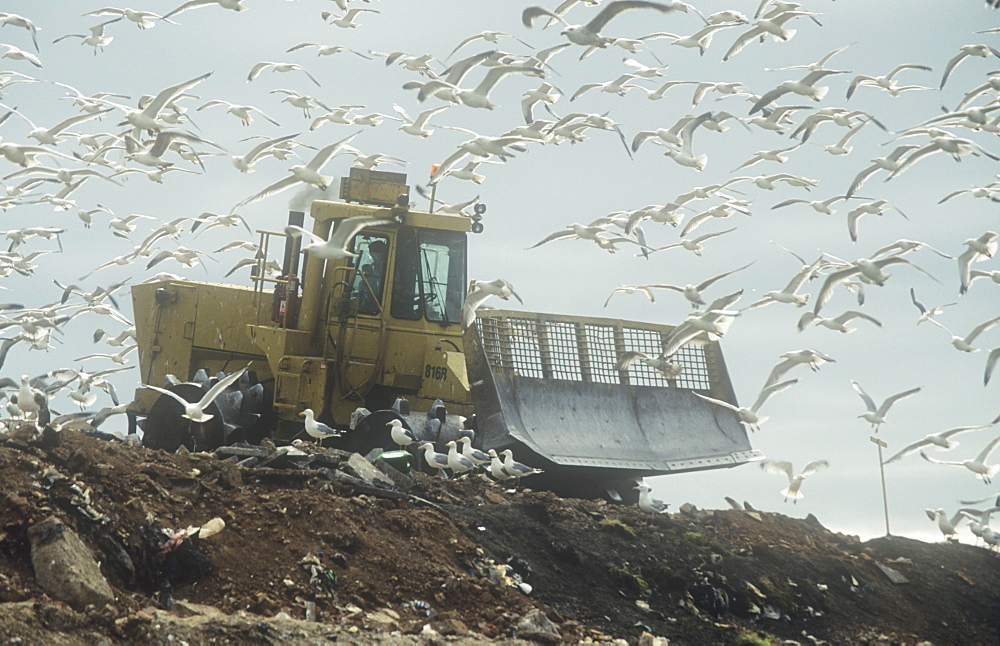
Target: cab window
(429, 276)
(369, 280)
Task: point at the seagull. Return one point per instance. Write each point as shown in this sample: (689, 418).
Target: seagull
(402, 436)
(695, 244)
(814, 359)
(232, 5)
(242, 112)
(146, 118)
(475, 455)
(661, 364)
(308, 173)
(876, 414)
(885, 82)
(749, 415)
(336, 246)
(805, 87)
(142, 19)
(649, 505)
(941, 440)
(945, 524)
(925, 313)
(889, 163)
(714, 322)
(488, 36)
(977, 465)
(347, 20)
(326, 50)
(496, 467)
(479, 292)
(517, 469)
(18, 54)
(457, 462)
(434, 459)
(417, 127)
(868, 270)
(15, 20)
(302, 101)
(991, 363)
(685, 156)
(794, 481)
(316, 429)
(278, 67)
(477, 97)
(196, 411)
(965, 343)
(245, 163)
(788, 294)
(692, 292)
(964, 51)
(588, 34)
(979, 249)
(837, 323)
(774, 25)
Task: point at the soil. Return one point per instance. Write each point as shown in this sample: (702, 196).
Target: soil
(307, 558)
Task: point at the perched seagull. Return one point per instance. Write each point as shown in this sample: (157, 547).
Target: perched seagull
(979, 249)
(343, 233)
(927, 313)
(947, 526)
(749, 415)
(837, 323)
(196, 411)
(965, 343)
(496, 467)
(457, 462)
(794, 481)
(813, 358)
(479, 292)
(316, 429)
(434, 459)
(278, 67)
(308, 174)
(475, 455)
(942, 440)
(876, 414)
(588, 34)
(965, 51)
(649, 505)
(977, 465)
(661, 364)
(517, 469)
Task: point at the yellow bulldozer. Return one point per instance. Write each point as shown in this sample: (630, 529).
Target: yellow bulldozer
(368, 339)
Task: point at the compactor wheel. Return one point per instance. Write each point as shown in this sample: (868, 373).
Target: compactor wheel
(166, 427)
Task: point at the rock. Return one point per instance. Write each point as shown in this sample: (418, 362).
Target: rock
(359, 467)
(646, 639)
(65, 567)
(450, 626)
(535, 625)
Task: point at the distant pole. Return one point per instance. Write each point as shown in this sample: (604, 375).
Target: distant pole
(881, 469)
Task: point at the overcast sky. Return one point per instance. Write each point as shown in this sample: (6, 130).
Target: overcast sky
(550, 186)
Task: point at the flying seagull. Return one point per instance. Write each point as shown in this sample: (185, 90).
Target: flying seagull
(196, 411)
(588, 34)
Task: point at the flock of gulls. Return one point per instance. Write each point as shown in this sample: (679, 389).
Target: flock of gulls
(98, 177)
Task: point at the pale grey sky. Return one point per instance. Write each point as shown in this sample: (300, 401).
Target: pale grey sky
(550, 186)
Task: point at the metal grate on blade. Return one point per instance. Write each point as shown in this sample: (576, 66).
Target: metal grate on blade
(555, 347)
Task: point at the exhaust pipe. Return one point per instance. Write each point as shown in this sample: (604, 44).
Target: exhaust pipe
(290, 263)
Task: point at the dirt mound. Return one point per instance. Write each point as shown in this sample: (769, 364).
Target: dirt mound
(312, 554)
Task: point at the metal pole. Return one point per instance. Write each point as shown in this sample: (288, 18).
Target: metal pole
(881, 469)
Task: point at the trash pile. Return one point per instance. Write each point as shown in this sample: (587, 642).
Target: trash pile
(103, 540)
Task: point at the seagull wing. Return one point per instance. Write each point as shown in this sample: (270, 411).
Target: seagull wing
(813, 467)
(767, 391)
(183, 402)
(979, 329)
(783, 467)
(528, 15)
(717, 402)
(950, 66)
(985, 453)
(347, 228)
(220, 386)
(273, 189)
(869, 402)
(325, 154)
(612, 9)
(889, 401)
(991, 362)
(165, 96)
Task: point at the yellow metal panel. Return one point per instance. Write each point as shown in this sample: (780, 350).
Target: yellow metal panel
(322, 210)
(444, 376)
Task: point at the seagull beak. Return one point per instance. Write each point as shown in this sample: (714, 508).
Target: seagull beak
(302, 414)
